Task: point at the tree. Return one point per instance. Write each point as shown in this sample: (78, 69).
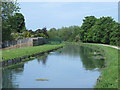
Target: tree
(52, 33)
(8, 10)
(45, 31)
(95, 34)
(88, 22)
(41, 33)
(17, 23)
(102, 29)
(73, 31)
(115, 35)
(26, 34)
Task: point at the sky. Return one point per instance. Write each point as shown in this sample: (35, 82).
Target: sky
(63, 14)
(68, 0)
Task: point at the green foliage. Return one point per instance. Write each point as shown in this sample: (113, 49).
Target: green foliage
(88, 22)
(53, 33)
(115, 35)
(102, 30)
(6, 32)
(8, 10)
(26, 34)
(65, 33)
(41, 32)
(29, 33)
(37, 33)
(105, 25)
(17, 23)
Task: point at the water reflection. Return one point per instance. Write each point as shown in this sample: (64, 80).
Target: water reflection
(89, 59)
(61, 66)
(42, 59)
(9, 76)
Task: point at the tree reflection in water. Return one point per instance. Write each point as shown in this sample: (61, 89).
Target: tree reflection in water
(9, 75)
(87, 56)
(42, 59)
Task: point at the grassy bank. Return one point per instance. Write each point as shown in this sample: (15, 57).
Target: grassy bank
(109, 76)
(27, 51)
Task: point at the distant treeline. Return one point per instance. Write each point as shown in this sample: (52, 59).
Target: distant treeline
(102, 30)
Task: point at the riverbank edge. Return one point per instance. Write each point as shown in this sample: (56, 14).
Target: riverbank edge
(109, 75)
(22, 60)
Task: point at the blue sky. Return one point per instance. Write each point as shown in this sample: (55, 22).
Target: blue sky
(64, 14)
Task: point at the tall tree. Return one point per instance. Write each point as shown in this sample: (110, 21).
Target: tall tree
(17, 23)
(88, 22)
(52, 33)
(115, 35)
(45, 32)
(8, 9)
(102, 29)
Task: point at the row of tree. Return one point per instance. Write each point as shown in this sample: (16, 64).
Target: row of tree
(93, 30)
(102, 30)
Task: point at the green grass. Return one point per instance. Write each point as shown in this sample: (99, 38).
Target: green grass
(21, 52)
(109, 76)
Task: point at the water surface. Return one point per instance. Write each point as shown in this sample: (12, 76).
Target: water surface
(69, 67)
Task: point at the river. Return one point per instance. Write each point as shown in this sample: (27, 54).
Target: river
(69, 67)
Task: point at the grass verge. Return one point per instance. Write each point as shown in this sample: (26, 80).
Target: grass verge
(109, 76)
(27, 51)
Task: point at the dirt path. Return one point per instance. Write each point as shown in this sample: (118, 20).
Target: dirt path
(111, 46)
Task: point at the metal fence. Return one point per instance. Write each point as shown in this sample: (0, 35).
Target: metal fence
(15, 42)
(28, 42)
